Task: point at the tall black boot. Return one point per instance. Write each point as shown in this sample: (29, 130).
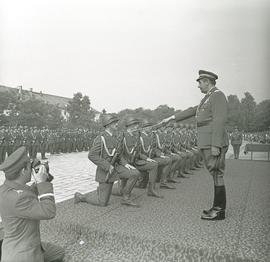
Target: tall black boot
(220, 197)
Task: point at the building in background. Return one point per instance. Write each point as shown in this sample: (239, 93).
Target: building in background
(59, 101)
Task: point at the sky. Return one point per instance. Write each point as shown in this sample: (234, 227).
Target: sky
(141, 53)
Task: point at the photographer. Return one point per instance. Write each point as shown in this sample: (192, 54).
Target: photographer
(22, 207)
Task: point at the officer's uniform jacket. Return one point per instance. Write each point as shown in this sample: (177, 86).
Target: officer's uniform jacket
(21, 210)
(101, 154)
(211, 116)
(236, 138)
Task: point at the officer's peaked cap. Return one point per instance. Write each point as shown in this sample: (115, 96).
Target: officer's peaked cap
(15, 162)
(207, 74)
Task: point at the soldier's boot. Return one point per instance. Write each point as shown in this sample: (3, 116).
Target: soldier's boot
(217, 212)
(103, 196)
(152, 192)
(130, 183)
(78, 197)
(118, 187)
(163, 183)
(172, 178)
(187, 169)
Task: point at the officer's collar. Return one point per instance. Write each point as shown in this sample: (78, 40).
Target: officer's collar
(211, 90)
(15, 185)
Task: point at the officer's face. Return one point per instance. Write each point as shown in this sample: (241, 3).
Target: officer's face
(203, 85)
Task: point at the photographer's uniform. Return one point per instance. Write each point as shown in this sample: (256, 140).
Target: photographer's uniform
(22, 207)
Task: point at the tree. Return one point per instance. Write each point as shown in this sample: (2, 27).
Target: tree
(248, 106)
(34, 112)
(80, 111)
(163, 111)
(6, 99)
(262, 116)
(234, 111)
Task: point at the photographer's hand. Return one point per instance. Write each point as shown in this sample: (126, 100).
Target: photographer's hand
(41, 175)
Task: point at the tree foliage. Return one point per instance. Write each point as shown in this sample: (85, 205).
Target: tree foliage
(248, 107)
(245, 114)
(80, 112)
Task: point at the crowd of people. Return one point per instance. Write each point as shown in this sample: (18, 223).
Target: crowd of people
(257, 137)
(44, 140)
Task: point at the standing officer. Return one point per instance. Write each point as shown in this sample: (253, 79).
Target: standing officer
(211, 116)
(22, 207)
(101, 154)
(236, 142)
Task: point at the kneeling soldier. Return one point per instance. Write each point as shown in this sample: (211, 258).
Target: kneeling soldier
(134, 155)
(22, 207)
(105, 149)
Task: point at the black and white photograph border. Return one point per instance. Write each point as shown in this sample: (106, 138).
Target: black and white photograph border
(134, 130)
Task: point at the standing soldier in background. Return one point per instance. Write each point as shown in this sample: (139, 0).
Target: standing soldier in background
(36, 143)
(236, 142)
(2, 144)
(43, 142)
(211, 116)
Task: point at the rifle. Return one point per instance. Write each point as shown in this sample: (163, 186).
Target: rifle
(116, 154)
(136, 148)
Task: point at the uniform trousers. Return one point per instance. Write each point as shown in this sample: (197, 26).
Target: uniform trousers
(215, 164)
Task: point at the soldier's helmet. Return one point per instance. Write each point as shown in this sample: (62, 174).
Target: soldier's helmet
(146, 123)
(132, 121)
(109, 119)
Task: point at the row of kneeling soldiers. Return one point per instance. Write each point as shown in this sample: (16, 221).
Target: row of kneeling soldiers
(144, 155)
(44, 140)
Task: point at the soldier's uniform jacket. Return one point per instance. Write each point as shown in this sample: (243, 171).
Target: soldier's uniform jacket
(132, 149)
(146, 144)
(211, 116)
(21, 211)
(101, 154)
(156, 145)
(236, 138)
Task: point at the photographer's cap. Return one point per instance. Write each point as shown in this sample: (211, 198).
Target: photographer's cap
(15, 162)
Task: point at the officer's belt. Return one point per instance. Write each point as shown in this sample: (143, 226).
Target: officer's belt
(204, 123)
